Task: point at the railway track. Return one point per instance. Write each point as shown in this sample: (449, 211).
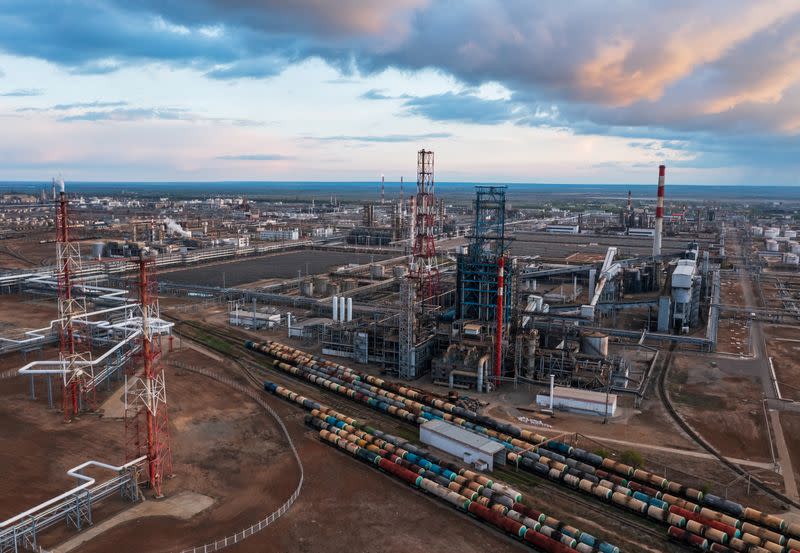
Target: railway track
(572, 497)
(254, 368)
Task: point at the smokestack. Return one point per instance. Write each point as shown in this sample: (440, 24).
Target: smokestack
(630, 202)
(401, 189)
(659, 211)
(382, 189)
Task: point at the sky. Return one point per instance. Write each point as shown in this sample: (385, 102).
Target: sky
(501, 90)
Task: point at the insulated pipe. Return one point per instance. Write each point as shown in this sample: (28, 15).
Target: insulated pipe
(498, 341)
(349, 309)
(75, 473)
(659, 211)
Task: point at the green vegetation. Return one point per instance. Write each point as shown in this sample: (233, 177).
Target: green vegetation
(632, 457)
(602, 452)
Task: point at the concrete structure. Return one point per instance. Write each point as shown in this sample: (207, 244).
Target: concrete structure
(683, 284)
(469, 446)
(563, 229)
(277, 235)
(579, 401)
(250, 319)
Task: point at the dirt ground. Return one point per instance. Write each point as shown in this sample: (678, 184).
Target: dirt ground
(783, 345)
(19, 313)
(733, 333)
(723, 406)
(28, 253)
(790, 422)
(226, 447)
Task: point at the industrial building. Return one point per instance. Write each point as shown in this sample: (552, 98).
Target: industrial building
(472, 448)
(579, 401)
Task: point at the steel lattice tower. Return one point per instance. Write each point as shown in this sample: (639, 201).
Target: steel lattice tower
(146, 421)
(424, 267)
(73, 352)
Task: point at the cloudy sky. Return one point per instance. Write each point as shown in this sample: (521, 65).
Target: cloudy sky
(501, 90)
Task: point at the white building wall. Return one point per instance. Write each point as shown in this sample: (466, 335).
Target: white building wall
(463, 451)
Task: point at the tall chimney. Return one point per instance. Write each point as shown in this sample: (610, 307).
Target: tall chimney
(630, 201)
(382, 189)
(659, 211)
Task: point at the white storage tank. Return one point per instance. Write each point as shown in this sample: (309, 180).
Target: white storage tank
(772, 245)
(789, 233)
(97, 250)
(795, 247)
(791, 258)
(771, 233)
(757, 231)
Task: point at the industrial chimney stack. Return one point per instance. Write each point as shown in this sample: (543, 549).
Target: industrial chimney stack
(659, 211)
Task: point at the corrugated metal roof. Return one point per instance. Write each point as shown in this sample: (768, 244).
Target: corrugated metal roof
(464, 436)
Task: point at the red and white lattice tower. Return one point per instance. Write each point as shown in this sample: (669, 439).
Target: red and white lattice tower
(146, 422)
(424, 267)
(73, 346)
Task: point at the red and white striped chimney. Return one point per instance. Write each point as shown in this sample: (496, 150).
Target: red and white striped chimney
(659, 211)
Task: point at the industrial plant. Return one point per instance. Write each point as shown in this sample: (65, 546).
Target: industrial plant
(490, 366)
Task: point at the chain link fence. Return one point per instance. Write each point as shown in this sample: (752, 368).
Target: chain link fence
(222, 543)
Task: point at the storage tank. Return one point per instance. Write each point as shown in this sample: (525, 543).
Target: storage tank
(791, 258)
(795, 247)
(377, 271)
(307, 288)
(595, 343)
(97, 250)
(349, 284)
(757, 231)
(772, 245)
(771, 233)
(321, 285)
(791, 234)
(398, 271)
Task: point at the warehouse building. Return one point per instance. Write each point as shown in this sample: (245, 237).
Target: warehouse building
(579, 401)
(473, 448)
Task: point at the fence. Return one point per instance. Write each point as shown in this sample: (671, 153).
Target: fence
(272, 517)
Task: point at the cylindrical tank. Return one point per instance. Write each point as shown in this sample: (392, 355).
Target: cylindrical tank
(757, 231)
(398, 271)
(307, 288)
(771, 233)
(349, 309)
(791, 258)
(97, 250)
(349, 284)
(342, 309)
(794, 247)
(772, 245)
(595, 343)
(376, 271)
(335, 308)
(321, 285)
(334, 288)
(789, 233)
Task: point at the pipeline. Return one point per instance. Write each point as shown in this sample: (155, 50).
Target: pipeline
(573, 466)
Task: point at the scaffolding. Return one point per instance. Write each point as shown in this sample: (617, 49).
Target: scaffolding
(478, 268)
(424, 267)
